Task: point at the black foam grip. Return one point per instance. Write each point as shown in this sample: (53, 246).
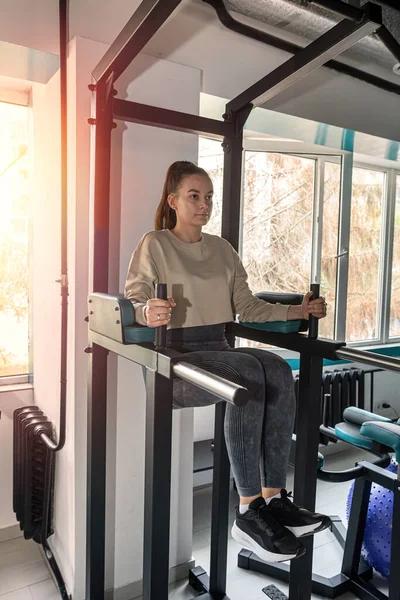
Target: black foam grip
(160, 341)
(313, 321)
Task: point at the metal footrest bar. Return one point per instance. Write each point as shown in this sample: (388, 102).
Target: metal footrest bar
(366, 591)
(329, 587)
(338, 530)
(273, 593)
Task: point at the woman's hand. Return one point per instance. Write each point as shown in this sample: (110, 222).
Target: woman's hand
(315, 308)
(157, 312)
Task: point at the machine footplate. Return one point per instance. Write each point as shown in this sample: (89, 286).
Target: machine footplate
(272, 592)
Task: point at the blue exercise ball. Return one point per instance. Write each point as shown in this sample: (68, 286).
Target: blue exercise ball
(378, 528)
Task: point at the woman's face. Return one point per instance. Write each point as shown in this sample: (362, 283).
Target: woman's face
(193, 201)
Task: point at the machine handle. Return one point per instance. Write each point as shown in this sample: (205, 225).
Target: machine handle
(160, 341)
(216, 385)
(313, 321)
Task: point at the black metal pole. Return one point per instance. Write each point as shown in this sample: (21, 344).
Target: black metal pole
(394, 579)
(332, 43)
(276, 42)
(233, 148)
(64, 5)
(154, 116)
(161, 332)
(96, 474)
(220, 507)
(305, 475)
(340, 8)
(389, 41)
(103, 122)
(232, 182)
(393, 4)
(157, 486)
(313, 321)
(149, 16)
(356, 527)
(97, 381)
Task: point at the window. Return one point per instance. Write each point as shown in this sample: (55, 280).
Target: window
(277, 221)
(14, 202)
(284, 240)
(363, 308)
(394, 327)
(211, 158)
(330, 233)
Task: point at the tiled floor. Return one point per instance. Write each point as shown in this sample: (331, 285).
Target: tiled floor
(24, 576)
(23, 573)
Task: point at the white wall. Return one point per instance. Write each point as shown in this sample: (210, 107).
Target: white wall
(31, 24)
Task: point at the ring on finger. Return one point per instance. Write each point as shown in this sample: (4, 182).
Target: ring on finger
(158, 317)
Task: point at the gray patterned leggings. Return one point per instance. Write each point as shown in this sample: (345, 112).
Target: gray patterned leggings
(258, 435)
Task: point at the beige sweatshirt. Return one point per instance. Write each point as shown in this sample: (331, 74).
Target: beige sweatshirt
(206, 279)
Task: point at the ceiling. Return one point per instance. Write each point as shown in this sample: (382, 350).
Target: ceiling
(309, 22)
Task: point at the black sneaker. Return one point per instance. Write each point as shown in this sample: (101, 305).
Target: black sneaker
(258, 531)
(298, 520)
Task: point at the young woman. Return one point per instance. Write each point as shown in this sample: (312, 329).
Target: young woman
(208, 287)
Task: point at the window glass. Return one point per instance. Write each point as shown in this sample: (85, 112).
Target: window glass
(14, 206)
(394, 327)
(362, 321)
(211, 158)
(330, 230)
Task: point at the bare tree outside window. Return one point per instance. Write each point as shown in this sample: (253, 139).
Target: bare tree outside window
(211, 158)
(330, 232)
(394, 330)
(14, 195)
(277, 221)
(277, 217)
(362, 321)
(277, 233)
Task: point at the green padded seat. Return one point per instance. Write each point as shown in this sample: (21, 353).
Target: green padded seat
(349, 430)
(387, 434)
(276, 326)
(127, 311)
(139, 334)
(351, 434)
(133, 334)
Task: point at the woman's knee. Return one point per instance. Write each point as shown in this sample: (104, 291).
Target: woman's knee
(272, 363)
(242, 369)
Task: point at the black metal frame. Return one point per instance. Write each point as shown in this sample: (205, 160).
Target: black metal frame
(146, 21)
(355, 573)
(259, 35)
(357, 520)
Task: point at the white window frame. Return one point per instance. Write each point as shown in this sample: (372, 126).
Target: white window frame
(348, 163)
(20, 98)
(7, 380)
